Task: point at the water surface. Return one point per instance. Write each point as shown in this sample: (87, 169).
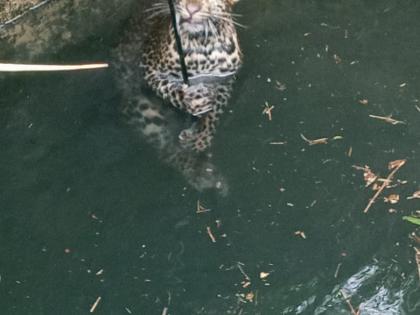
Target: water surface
(88, 210)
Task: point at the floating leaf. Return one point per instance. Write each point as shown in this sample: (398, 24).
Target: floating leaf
(413, 220)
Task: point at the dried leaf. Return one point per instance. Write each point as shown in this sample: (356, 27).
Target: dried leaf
(395, 164)
(392, 199)
(264, 275)
(250, 297)
(415, 195)
(314, 142)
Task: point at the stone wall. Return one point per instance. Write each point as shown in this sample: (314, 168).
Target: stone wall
(10, 9)
(56, 24)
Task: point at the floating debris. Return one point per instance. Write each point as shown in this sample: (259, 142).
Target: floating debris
(347, 299)
(301, 234)
(209, 232)
(394, 166)
(92, 309)
(315, 141)
(337, 270)
(250, 297)
(415, 195)
(392, 199)
(280, 86)
(264, 275)
(268, 111)
(337, 59)
(279, 143)
(388, 119)
(417, 260)
(241, 269)
(201, 208)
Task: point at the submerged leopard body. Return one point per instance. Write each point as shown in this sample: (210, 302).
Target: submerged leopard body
(148, 57)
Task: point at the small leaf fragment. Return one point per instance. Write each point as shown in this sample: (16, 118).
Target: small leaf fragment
(411, 219)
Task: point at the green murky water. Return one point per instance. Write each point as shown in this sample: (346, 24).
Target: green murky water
(88, 211)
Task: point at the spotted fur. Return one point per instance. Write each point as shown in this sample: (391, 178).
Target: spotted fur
(147, 56)
(212, 51)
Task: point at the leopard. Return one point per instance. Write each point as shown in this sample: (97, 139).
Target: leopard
(180, 119)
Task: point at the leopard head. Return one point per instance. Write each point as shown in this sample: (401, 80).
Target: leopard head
(196, 16)
(199, 16)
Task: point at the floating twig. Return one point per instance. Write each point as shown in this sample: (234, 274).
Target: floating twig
(368, 175)
(394, 166)
(388, 119)
(213, 239)
(267, 111)
(415, 195)
(201, 208)
(337, 270)
(92, 309)
(314, 142)
(279, 143)
(301, 234)
(239, 264)
(347, 299)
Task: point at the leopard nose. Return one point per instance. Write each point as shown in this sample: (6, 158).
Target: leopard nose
(193, 8)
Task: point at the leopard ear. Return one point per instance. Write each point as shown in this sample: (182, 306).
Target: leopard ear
(232, 2)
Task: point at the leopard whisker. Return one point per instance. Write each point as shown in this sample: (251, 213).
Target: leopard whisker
(213, 29)
(206, 31)
(157, 6)
(228, 19)
(229, 14)
(158, 13)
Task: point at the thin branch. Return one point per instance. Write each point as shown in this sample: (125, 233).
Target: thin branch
(396, 165)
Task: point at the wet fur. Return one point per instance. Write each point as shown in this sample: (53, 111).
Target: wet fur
(150, 62)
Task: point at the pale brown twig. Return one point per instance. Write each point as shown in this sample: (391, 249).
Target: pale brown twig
(201, 208)
(385, 183)
(213, 239)
(243, 271)
(417, 260)
(388, 119)
(267, 110)
(316, 141)
(347, 299)
(92, 309)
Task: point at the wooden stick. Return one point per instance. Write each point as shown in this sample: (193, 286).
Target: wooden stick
(347, 299)
(92, 309)
(213, 239)
(14, 67)
(384, 184)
